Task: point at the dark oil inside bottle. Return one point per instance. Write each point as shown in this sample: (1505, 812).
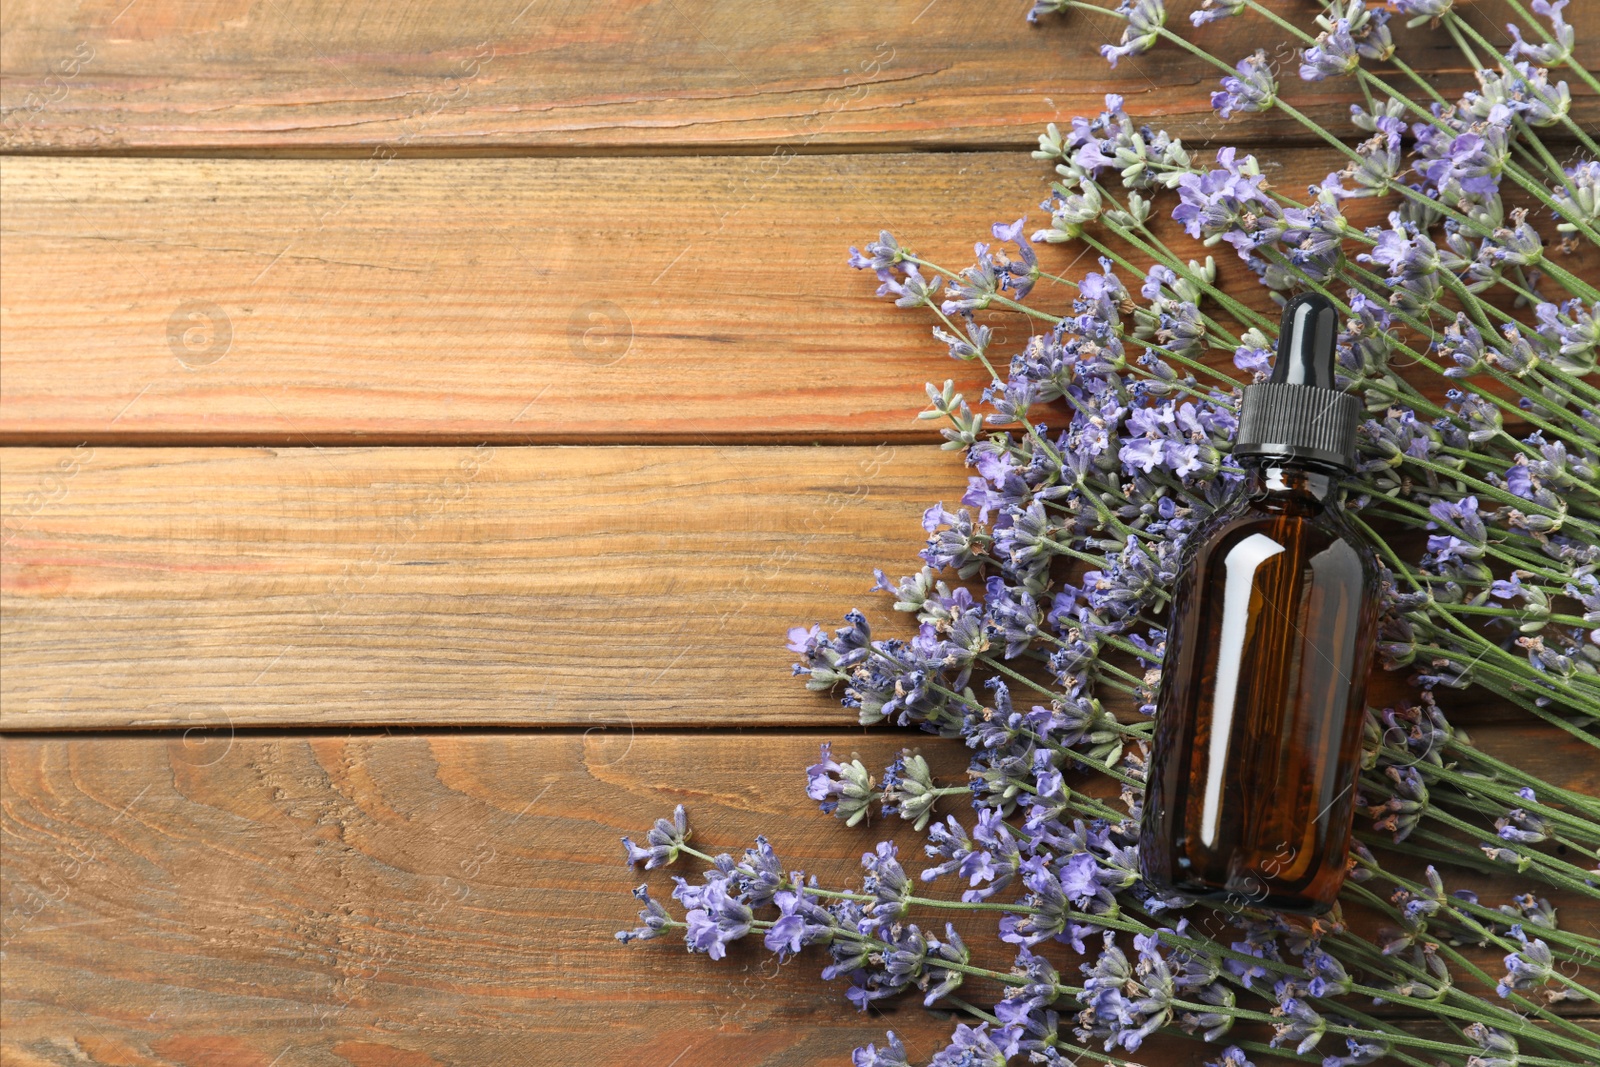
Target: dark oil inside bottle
(1251, 788)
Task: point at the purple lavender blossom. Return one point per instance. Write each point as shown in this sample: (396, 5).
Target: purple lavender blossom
(654, 918)
(1254, 89)
(1313, 239)
(801, 921)
(1502, 1048)
(1019, 275)
(760, 873)
(842, 789)
(1228, 204)
(1041, 8)
(1413, 263)
(716, 919)
(978, 1046)
(1420, 11)
(1144, 21)
(1212, 10)
(664, 838)
(1572, 330)
(1256, 359)
(883, 254)
(1123, 1004)
(1553, 53)
(1363, 1051)
(1302, 1027)
(913, 291)
(893, 1053)
(1334, 54)
(1579, 195)
(1528, 968)
(886, 881)
(1471, 162)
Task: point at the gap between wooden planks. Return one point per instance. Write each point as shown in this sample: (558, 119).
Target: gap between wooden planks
(510, 301)
(507, 75)
(147, 587)
(216, 902)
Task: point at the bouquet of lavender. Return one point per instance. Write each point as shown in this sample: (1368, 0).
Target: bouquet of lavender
(1102, 445)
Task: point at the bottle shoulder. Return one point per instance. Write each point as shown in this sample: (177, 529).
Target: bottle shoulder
(1312, 527)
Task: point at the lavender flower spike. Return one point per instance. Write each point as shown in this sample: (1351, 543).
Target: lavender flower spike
(1527, 968)
(1421, 11)
(843, 789)
(1548, 54)
(720, 918)
(1232, 1056)
(893, 1054)
(1212, 10)
(665, 839)
(1335, 53)
(1253, 90)
(653, 916)
(1145, 19)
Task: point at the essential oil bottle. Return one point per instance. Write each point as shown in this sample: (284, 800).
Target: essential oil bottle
(1252, 777)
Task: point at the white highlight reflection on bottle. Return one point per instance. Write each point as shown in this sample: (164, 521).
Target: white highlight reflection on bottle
(1241, 562)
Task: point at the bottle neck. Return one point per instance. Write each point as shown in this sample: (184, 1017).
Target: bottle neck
(1291, 482)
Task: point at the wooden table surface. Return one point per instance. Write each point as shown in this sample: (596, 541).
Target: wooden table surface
(421, 424)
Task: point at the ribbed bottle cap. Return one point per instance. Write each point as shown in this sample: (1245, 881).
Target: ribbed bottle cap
(1299, 414)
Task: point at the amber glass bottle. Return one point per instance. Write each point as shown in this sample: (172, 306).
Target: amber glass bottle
(1259, 718)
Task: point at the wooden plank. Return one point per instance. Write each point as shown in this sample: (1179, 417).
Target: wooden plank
(384, 900)
(323, 302)
(546, 586)
(496, 75)
(513, 585)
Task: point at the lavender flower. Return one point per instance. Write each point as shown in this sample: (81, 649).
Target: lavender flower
(1228, 204)
(1144, 21)
(843, 789)
(760, 874)
(1070, 212)
(1045, 7)
(908, 790)
(978, 1047)
(1361, 1051)
(886, 881)
(801, 921)
(883, 254)
(1501, 1047)
(1470, 163)
(1530, 967)
(665, 839)
(1125, 1003)
(1579, 196)
(1421, 11)
(1553, 53)
(893, 1053)
(654, 917)
(1334, 54)
(1212, 10)
(1253, 90)
(1019, 275)
(1302, 1027)
(716, 918)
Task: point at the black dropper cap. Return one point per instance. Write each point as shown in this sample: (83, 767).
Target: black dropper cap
(1299, 414)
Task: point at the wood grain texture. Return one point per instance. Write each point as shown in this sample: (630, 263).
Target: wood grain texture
(426, 900)
(497, 75)
(460, 301)
(542, 586)
(533, 585)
